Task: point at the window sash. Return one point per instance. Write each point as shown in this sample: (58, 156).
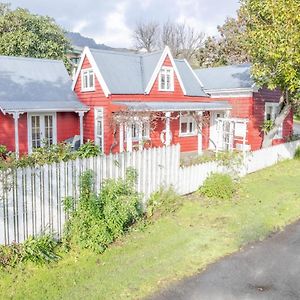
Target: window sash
(271, 112)
(187, 126)
(88, 80)
(135, 130)
(166, 79)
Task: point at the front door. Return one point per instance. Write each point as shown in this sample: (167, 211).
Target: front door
(215, 133)
(41, 130)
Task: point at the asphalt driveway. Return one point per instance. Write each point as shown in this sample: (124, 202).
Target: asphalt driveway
(266, 270)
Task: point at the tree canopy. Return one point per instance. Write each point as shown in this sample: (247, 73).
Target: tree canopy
(227, 48)
(25, 34)
(272, 38)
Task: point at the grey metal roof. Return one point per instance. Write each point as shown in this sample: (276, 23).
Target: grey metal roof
(174, 106)
(227, 77)
(190, 82)
(130, 73)
(30, 84)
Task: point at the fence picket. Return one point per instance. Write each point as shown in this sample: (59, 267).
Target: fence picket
(31, 198)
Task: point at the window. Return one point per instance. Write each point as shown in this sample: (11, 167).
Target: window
(41, 130)
(271, 112)
(166, 79)
(187, 126)
(87, 79)
(135, 130)
(99, 129)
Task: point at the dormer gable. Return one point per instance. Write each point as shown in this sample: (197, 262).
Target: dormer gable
(89, 72)
(165, 72)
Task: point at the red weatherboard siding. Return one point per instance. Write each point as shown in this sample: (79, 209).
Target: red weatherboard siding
(95, 99)
(256, 137)
(7, 132)
(251, 107)
(67, 126)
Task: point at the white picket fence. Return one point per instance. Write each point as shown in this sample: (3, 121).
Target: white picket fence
(31, 198)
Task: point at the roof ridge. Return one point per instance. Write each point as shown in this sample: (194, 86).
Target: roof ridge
(223, 67)
(137, 54)
(115, 52)
(31, 58)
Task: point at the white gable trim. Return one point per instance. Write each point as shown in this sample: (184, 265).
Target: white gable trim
(166, 53)
(87, 54)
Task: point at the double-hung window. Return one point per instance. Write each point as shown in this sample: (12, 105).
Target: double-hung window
(166, 79)
(271, 112)
(135, 130)
(88, 80)
(187, 126)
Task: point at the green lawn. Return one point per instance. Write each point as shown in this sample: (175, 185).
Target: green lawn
(178, 245)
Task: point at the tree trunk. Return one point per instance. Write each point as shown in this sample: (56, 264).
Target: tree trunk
(285, 110)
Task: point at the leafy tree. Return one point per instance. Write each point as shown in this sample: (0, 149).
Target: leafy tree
(273, 41)
(30, 35)
(228, 47)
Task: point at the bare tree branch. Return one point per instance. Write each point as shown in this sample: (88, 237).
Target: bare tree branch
(146, 36)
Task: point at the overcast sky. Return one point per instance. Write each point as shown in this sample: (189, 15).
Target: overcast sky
(111, 21)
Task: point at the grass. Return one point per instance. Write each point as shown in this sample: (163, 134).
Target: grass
(177, 245)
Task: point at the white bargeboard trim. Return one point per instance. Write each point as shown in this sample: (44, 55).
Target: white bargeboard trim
(87, 54)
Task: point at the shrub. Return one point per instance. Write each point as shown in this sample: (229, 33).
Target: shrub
(297, 153)
(218, 186)
(89, 149)
(99, 220)
(163, 202)
(39, 250)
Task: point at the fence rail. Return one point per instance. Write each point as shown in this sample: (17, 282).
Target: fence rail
(31, 198)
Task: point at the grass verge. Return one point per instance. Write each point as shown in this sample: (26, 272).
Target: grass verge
(176, 245)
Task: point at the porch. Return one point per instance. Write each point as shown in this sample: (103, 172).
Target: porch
(196, 126)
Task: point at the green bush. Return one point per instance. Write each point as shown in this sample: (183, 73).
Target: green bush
(99, 220)
(89, 149)
(297, 153)
(163, 202)
(39, 250)
(218, 186)
(48, 154)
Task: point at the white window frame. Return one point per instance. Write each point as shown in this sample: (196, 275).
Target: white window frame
(99, 109)
(188, 120)
(89, 88)
(42, 128)
(138, 123)
(163, 73)
(274, 112)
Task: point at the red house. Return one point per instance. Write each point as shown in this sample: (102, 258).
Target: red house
(115, 83)
(37, 105)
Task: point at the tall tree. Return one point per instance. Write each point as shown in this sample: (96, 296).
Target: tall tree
(146, 36)
(184, 41)
(273, 41)
(228, 47)
(30, 35)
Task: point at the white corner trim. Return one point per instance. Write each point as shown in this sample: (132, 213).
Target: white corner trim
(87, 54)
(198, 79)
(165, 53)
